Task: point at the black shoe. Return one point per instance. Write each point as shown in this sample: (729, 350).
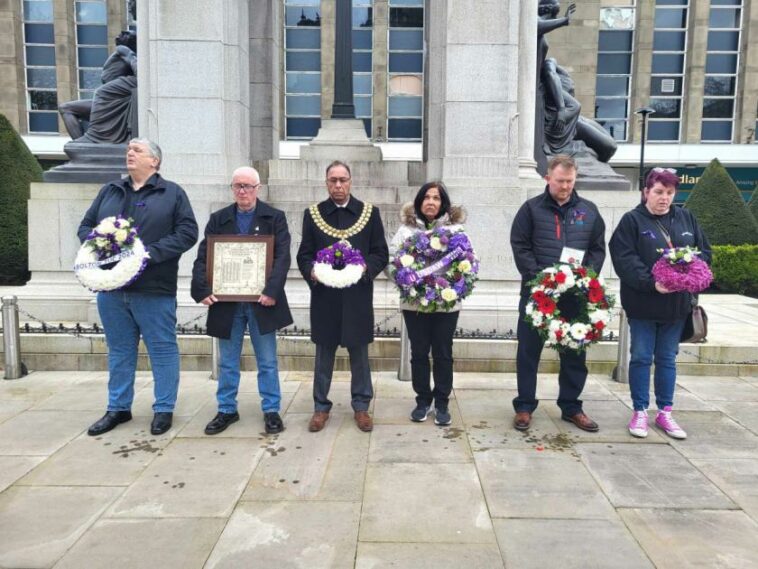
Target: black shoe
(220, 422)
(108, 422)
(161, 423)
(273, 423)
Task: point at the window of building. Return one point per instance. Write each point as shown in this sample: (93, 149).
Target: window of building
(302, 65)
(405, 70)
(91, 44)
(39, 60)
(668, 69)
(721, 65)
(614, 70)
(363, 23)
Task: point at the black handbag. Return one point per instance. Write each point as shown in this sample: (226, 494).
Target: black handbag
(696, 326)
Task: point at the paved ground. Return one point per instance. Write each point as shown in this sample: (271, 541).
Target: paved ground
(476, 494)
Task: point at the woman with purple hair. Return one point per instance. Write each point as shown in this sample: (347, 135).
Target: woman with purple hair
(656, 314)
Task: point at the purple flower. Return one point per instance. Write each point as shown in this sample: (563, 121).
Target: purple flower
(340, 255)
(460, 241)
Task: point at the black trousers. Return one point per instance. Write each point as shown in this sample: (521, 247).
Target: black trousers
(571, 378)
(433, 331)
(361, 390)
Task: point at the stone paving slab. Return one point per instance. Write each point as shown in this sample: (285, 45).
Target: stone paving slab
(299, 465)
(737, 478)
(313, 535)
(12, 407)
(191, 478)
(39, 524)
(14, 467)
(695, 538)
(127, 544)
(540, 543)
(115, 458)
(539, 484)
(418, 441)
(427, 556)
(714, 435)
(402, 504)
(41, 432)
(339, 394)
(744, 413)
(719, 388)
(650, 476)
(85, 396)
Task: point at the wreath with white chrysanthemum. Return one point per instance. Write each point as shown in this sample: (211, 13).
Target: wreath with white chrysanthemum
(112, 256)
(569, 306)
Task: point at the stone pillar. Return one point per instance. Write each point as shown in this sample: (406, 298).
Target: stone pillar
(343, 107)
(265, 79)
(12, 80)
(194, 88)
(746, 118)
(697, 42)
(527, 88)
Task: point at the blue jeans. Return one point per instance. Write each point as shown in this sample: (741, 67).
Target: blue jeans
(653, 342)
(264, 346)
(126, 316)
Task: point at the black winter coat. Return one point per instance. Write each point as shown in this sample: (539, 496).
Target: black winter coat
(343, 317)
(542, 228)
(634, 250)
(268, 221)
(165, 222)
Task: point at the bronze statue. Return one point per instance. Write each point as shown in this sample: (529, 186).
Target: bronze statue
(560, 128)
(112, 112)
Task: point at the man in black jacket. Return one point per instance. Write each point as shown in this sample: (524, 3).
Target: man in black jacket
(228, 320)
(147, 307)
(550, 228)
(342, 317)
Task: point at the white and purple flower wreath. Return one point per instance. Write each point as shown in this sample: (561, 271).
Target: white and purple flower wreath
(339, 266)
(681, 269)
(114, 240)
(435, 269)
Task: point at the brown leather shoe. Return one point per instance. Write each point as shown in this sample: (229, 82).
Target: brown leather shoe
(522, 420)
(318, 421)
(582, 421)
(363, 420)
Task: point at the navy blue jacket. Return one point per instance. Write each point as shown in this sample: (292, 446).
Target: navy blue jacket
(634, 250)
(542, 228)
(268, 221)
(165, 222)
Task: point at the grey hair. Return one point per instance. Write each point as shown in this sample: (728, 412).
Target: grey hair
(247, 170)
(155, 150)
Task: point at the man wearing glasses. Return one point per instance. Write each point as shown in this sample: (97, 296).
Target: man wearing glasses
(342, 317)
(228, 320)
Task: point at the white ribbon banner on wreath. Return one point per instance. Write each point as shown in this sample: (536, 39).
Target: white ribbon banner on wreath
(108, 261)
(441, 264)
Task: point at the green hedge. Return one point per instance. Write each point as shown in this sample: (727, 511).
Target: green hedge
(721, 210)
(735, 268)
(753, 204)
(18, 168)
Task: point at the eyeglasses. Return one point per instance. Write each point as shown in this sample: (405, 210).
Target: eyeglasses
(661, 170)
(333, 181)
(243, 187)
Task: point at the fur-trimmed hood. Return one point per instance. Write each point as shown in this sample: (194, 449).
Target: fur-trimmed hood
(455, 216)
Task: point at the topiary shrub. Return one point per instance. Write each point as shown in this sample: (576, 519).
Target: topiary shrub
(18, 168)
(720, 209)
(753, 203)
(735, 269)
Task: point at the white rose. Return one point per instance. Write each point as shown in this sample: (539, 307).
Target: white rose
(555, 325)
(436, 244)
(529, 308)
(406, 260)
(464, 266)
(106, 225)
(598, 316)
(101, 242)
(121, 235)
(424, 302)
(413, 293)
(448, 294)
(687, 257)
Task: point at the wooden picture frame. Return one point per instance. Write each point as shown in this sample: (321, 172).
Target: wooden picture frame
(238, 266)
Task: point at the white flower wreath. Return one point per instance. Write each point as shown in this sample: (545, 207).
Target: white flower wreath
(115, 239)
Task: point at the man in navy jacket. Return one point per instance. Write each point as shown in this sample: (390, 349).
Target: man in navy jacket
(548, 228)
(147, 307)
(228, 320)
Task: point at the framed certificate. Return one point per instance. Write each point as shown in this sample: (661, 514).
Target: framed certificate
(238, 266)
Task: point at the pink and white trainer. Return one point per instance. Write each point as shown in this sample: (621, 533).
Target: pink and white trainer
(666, 422)
(638, 424)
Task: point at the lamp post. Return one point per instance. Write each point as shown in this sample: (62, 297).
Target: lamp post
(644, 112)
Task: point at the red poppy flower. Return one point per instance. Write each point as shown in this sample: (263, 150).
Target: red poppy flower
(595, 295)
(560, 277)
(594, 283)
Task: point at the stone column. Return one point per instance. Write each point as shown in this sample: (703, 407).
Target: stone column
(343, 107)
(265, 79)
(194, 88)
(527, 88)
(745, 122)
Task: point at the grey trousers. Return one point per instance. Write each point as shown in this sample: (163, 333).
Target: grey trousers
(361, 390)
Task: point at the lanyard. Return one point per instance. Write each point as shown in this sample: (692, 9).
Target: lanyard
(665, 233)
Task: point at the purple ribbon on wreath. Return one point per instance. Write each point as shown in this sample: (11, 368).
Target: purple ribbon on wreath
(409, 277)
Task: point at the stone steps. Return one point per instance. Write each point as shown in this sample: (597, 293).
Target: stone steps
(66, 352)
